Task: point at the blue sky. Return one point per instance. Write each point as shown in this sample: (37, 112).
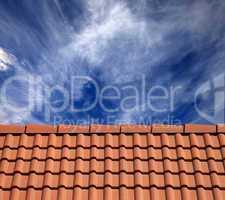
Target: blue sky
(112, 61)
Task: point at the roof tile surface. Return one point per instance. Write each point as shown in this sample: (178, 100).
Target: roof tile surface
(196, 128)
(73, 129)
(11, 129)
(34, 128)
(112, 162)
(167, 129)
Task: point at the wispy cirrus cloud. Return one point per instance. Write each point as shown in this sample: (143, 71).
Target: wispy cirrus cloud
(6, 60)
(171, 44)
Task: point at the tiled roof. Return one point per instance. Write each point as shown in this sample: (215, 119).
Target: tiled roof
(112, 162)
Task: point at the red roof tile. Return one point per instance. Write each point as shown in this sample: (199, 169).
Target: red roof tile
(135, 128)
(112, 162)
(73, 129)
(105, 129)
(11, 129)
(167, 129)
(221, 128)
(196, 128)
(33, 128)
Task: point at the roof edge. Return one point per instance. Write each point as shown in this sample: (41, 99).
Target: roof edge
(99, 128)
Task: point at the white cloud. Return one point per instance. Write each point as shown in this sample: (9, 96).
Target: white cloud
(105, 22)
(118, 40)
(6, 60)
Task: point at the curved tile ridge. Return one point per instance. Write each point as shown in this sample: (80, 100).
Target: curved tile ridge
(114, 159)
(112, 147)
(57, 187)
(115, 129)
(111, 172)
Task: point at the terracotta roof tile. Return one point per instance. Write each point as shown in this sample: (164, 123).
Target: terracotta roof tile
(73, 129)
(112, 162)
(196, 128)
(105, 129)
(34, 128)
(135, 128)
(167, 129)
(12, 129)
(221, 128)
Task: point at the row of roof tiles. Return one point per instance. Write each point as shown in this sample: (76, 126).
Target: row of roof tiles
(104, 165)
(113, 154)
(201, 141)
(111, 167)
(100, 181)
(188, 128)
(121, 193)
